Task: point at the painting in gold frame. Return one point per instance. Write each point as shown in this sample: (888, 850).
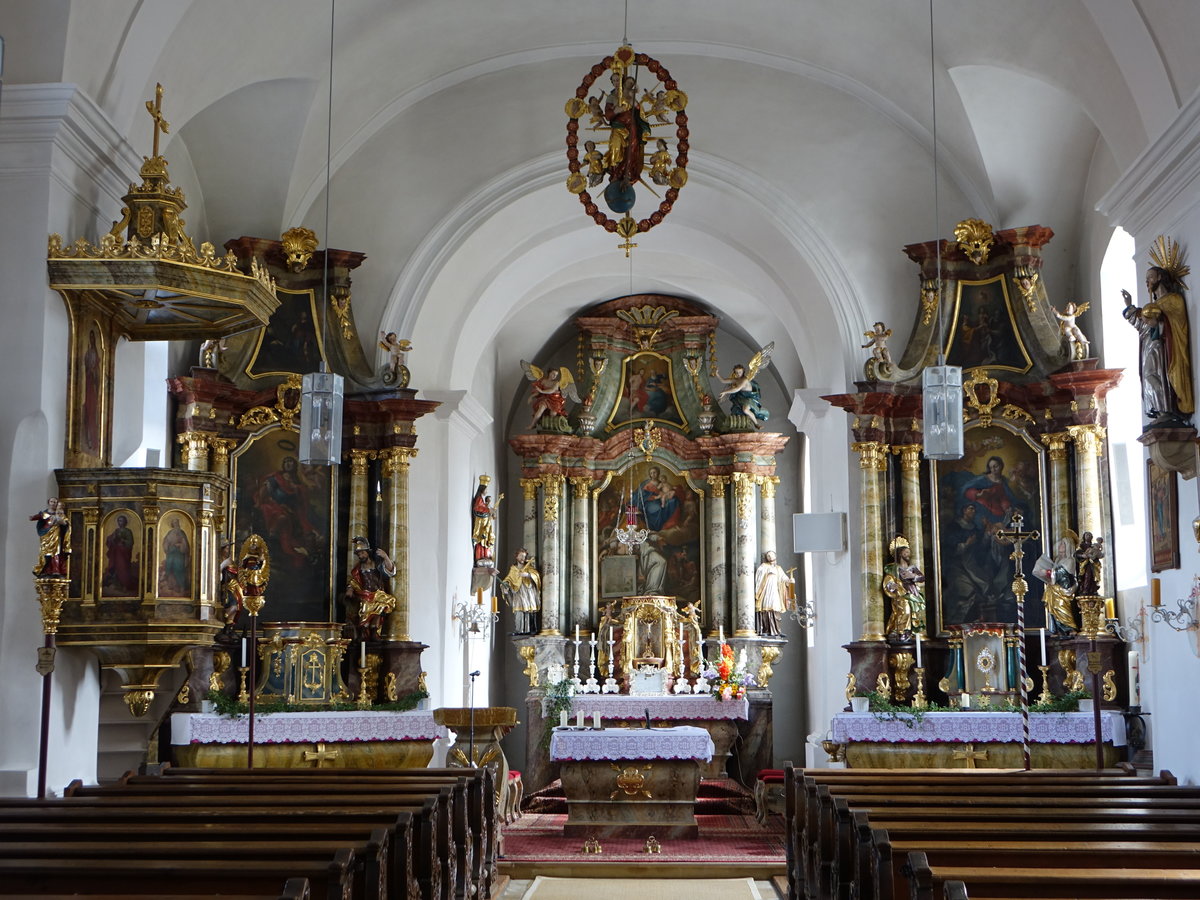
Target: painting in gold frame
(290, 505)
(291, 342)
(983, 331)
(1162, 496)
(122, 558)
(176, 552)
(647, 391)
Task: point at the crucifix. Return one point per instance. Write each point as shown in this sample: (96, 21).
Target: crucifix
(321, 754)
(1017, 536)
(155, 110)
(969, 754)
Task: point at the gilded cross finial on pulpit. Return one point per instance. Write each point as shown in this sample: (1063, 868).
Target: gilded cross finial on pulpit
(969, 755)
(161, 125)
(321, 755)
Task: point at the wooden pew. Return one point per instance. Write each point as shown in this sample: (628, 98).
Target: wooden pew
(422, 831)
(928, 882)
(329, 880)
(293, 889)
(455, 849)
(482, 798)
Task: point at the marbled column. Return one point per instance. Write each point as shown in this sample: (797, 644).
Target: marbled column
(766, 513)
(718, 583)
(1060, 488)
(744, 554)
(581, 612)
(873, 461)
(529, 529)
(910, 500)
(209, 564)
(1088, 442)
(552, 488)
(395, 469)
(359, 500)
(193, 449)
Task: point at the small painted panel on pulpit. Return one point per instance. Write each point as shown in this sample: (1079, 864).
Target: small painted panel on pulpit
(122, 558)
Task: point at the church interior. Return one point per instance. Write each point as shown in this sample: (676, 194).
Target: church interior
(466, 381)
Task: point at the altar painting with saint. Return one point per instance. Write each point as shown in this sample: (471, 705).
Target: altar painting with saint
(647, 391)
(983, 332)
(290, 506)
(669, 561)
(976, 497)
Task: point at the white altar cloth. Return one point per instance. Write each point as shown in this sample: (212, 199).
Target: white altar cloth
(674, 708)
(306, 727)
(980, 727)
(679, 742)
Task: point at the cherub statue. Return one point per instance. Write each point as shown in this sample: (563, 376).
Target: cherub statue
(655, 106)
(210, 352)
(1075, 338)
(660, 163)
(594, 160)
(742, 390)
(549, 391)
(397, 370)
(877, 339)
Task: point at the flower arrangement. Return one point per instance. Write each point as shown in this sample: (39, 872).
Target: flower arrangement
(729, 679)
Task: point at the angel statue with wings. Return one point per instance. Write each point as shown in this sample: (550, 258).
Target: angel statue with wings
(1077, 342)
(742, 390)
(549, 392)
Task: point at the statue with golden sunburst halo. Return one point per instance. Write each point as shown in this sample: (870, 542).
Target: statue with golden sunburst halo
(623, 116)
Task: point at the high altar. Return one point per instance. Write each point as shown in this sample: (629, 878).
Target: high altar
(1034, 416)
(649, 449)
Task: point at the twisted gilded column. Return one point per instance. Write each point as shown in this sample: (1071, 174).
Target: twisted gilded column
(529, 534)
(1088, 442)
(744, 553)
(552, 489)
(581, 613)
(718, 594)
(1060, 487)
(359, 502)
(395, 470)
(910, 500)
(872, 461)
(766, 513)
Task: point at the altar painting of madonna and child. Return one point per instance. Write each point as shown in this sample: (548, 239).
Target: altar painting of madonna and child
(976, 498)
(289, 505)
(669, 561)
(983, 332)
(647, 391)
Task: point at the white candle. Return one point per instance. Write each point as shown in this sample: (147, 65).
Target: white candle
(362, 655)
(965, 701)
(680, 634)
(919, 650)
(243, 653)
(1043, 637)
(579, 720)
(562, 718)
(577, 634)
(722, 628)
(1135, 691)
(596, 720)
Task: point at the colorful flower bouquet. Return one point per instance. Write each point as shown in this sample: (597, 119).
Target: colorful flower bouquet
(729, 679)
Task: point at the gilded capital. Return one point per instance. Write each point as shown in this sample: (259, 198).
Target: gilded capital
(358, 462)
(529, 487)
(580, 486)
(743, 493)
(193, 447)
(1088, 438)
(221, 448)
(768, 483)
(872, 455)
(716, 486)
(1056, 445)
(910, 456)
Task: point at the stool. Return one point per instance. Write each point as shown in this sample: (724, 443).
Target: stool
(768, 794)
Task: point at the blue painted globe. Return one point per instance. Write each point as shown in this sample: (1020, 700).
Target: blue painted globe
(620, 196)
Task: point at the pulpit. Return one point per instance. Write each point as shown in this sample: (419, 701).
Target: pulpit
(478, 732)
(631, 782)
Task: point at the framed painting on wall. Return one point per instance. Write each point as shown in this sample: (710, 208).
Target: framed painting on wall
(983, 331)
(1162, 496)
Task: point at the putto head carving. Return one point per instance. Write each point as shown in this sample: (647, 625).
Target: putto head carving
(299, 244)
(975, 238)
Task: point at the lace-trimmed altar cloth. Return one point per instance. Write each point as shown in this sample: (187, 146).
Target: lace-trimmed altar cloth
(306, 727)
(673, 708)
(980, 727)
(680, 742)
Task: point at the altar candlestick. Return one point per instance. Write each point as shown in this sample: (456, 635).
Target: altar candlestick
(243, 651)
(1042, 635)
(918, 649)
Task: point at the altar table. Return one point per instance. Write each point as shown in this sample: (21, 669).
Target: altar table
(977, 739)
(360, 739)
(718, 717)
(631, 782)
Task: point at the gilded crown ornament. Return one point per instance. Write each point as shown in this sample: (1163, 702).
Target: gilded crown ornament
(635, 156)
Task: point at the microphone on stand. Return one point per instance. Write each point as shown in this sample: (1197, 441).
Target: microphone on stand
(474, 674)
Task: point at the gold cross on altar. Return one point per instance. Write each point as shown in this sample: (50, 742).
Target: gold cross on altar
(155, 110)
(321, 754)
(970, 754)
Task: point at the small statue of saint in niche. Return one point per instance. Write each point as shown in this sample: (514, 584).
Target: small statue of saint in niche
(903, 586)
